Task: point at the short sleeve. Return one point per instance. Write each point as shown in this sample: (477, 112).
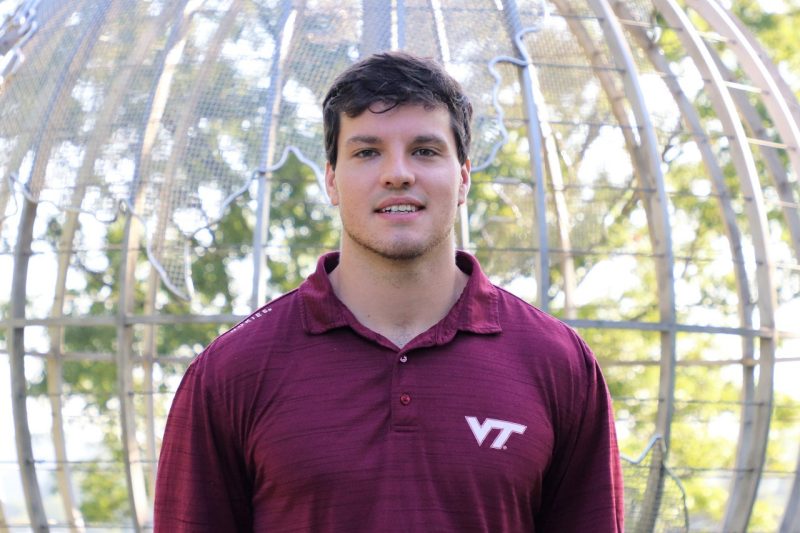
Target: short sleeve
(202, 483)
(583, 487)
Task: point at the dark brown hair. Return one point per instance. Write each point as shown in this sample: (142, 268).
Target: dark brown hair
(395, 79)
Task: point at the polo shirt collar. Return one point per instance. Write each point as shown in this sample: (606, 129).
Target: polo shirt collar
(476, 311)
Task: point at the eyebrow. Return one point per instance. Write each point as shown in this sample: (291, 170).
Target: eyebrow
(430, 139)
(363, 139)
(374, 139)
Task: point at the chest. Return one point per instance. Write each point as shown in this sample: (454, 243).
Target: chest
(433, 421)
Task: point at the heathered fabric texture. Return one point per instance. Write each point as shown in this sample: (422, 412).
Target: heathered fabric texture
(301, 419)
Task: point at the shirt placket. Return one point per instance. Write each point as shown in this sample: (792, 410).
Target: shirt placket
(403, 406)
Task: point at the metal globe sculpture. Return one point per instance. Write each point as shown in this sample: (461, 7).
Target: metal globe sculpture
(635, 173)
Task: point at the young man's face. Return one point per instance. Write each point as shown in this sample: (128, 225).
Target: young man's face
(398, 182)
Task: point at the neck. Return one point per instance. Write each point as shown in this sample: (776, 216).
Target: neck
(398, 299)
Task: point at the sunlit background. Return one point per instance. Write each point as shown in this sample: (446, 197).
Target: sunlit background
(636, 175)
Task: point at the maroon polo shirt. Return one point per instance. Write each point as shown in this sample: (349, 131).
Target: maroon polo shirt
(301, 419)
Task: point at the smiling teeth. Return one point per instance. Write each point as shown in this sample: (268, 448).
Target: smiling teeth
(399, 209)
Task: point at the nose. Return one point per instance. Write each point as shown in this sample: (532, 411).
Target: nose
(397, 173)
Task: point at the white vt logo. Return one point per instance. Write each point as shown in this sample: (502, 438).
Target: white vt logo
(481, 431)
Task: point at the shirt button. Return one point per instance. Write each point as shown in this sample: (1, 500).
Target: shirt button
(405, 398)
(403, 358)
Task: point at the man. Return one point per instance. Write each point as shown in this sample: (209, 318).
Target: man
(396, 389)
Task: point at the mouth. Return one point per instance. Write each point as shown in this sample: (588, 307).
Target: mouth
(400, 208)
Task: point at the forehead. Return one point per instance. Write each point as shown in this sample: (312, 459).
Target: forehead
(398, 122)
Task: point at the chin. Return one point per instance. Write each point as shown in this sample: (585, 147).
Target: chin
(407, 251)
(401, 254)
(399, 249)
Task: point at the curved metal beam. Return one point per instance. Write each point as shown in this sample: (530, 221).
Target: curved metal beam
(400, 23)
(776, 168)
(184, 123)
(55, 381)
(752, 64)
(692, 120)
(54, 362)
(114, 96)
(38, 110)
(376, 29)
(80, 55)
(443, 47)
(15, 31)
(132, 462)
(515, 30)
(785, 186)
(778, 98)
(267, 154)
(5, 196)
(723, 193)
(100, 135)
(563, 221)
(760, 67)
(133, 233)
(791, 517)
(786, 91)
(615, 96)
(646, 163)
(551, 174)
(3, 523)
(753, 438)
(16, 352)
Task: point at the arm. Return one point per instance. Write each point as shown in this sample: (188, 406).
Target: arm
(583, 487)
(202, 484)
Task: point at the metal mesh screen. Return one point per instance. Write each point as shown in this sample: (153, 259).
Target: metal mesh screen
(161, 167)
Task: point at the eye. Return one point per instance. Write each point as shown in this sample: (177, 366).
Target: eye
(425, 152)
(365, 153)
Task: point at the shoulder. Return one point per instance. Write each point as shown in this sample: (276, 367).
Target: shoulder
(527, 323)
(547, 350)
(554, 356)
(249, 342)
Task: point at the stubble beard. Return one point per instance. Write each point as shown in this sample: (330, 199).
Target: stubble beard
(403, 250)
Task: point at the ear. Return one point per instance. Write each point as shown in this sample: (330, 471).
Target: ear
(330, 184)
(464, 183)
